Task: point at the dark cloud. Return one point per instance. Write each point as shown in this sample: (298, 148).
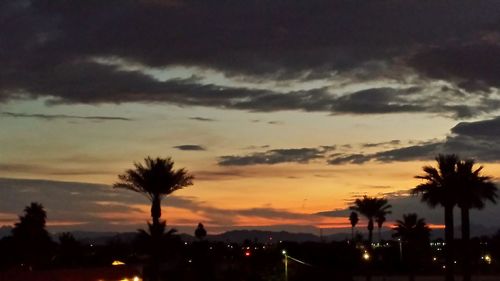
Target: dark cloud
(378, 100)
(489, 129)
(190, 147)
(202, 119)
(477, 140)
(276, 156)
(52, 170)
(64, 50)
(67, 201)
(88, 206)
(63, 116)
(472, 67)
(253, 147)
(378, 144)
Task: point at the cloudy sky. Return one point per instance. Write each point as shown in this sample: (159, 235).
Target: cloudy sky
(283, 110)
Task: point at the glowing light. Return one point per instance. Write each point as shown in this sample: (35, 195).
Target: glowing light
(366, 256)
(117, 262)
(283, 252)
(247, 254)
(135, 278)
(488, 259)
(434, 259)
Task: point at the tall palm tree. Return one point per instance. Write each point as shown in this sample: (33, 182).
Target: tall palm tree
(414, 233)
(354, 219)
(370, 207)
(156, 178)
(473, 190)
(438, 189)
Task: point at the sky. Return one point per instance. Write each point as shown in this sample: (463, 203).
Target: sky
(284, 111)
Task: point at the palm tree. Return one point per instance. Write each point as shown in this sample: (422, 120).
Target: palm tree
(414, 233)
(156, 178)
(473, 190)
(370, 207)
(380, 219)
(438, 190)
(354, 219)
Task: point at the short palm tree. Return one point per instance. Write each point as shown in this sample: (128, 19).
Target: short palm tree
(380, 219)
(414, 233)
(354, 219)
(473, 190)
(156, 178)
(370, 207)
(412, 229)
(438, 189)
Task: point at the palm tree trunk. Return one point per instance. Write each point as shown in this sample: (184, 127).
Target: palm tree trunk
(352, 233)
(155, 235)
(370, 232)
(466, 244)
(449, 237)
(156, 210)
(370, 239)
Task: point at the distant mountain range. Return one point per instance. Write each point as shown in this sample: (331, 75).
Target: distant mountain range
(239, 236)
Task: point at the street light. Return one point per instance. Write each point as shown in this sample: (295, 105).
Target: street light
(400, 249)
(366, 256)
(487, 259)
(286, 264)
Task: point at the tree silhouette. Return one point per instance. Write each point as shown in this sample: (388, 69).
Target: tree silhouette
(473, 190)
(414, 234)
(438, 189)
(370, 207)
(200, 231)
(31, 238)
(155, 239)
(70, 250)
(156, 178)
(380, 219)
(354, 219)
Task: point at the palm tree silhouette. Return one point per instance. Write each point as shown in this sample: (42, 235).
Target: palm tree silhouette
(438, 189)
(414, 233)
(370, 207)
(156, 178)
(473, 190)
(380, 219)
(354, 219)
